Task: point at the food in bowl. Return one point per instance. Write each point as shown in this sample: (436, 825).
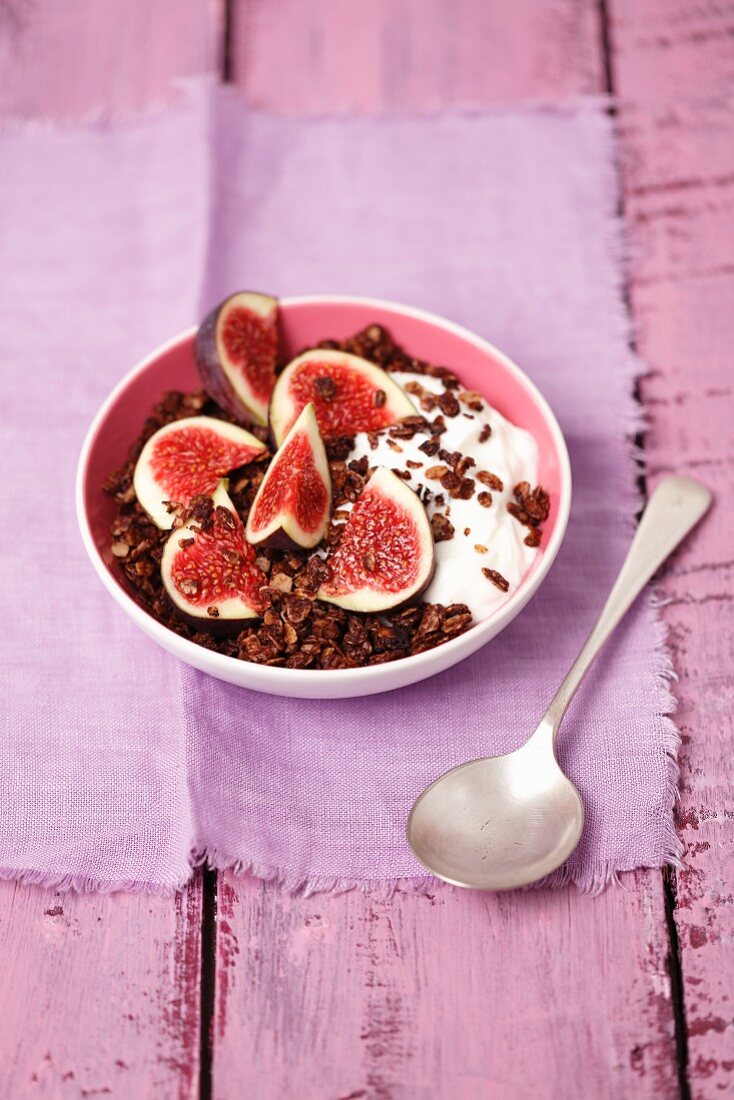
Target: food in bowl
(381, 511)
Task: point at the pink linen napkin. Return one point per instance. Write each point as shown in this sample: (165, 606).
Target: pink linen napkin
(117, 764)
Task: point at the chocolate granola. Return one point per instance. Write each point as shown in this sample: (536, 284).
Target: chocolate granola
(296, 629)
(530, 508)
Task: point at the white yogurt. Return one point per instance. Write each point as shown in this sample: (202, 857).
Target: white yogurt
(512, 454)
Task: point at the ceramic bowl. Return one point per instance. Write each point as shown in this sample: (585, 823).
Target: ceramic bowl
(305, 321)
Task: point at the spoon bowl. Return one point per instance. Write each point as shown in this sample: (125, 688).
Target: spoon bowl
(506, 821)
(499, 822)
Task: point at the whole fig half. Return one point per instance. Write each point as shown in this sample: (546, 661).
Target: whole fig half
(187, 458)
(209, 572)
(236, 353)
(386, 556)
(349, 395)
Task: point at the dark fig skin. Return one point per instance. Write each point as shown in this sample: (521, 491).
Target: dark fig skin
(218, 628)
(403, 603)
(279, 540)
(215, 381)
(417, 595)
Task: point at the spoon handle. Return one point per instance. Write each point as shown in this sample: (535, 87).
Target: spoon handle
(675, 507)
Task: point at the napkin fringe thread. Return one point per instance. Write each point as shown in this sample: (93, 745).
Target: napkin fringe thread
(305, 884)
(67, 882)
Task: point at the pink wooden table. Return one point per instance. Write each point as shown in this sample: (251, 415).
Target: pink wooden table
(234, 988)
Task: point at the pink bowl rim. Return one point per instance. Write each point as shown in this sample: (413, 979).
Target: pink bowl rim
(419, 664)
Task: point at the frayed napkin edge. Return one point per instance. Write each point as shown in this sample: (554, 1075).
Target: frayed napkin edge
(592, 882)
(187, 92)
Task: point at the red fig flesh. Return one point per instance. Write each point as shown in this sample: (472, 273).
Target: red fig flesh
(386, 555)
(292, 505)
(208, 569)
(236, 353)
(187, 458)
(348, 393)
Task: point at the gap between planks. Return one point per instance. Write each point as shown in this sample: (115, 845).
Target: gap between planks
(674, 958)
(209, 886)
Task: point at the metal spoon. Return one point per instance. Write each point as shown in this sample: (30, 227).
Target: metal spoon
(505, 821)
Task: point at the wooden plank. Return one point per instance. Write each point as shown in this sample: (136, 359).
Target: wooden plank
(89, 58)
(99, 994)
(545, 993)
(416, 55)
(673, 66)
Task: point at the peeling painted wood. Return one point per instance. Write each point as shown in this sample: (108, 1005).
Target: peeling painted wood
(90, 58)
(527, 994)
(351, 995)
(673, 66)
(99, 994)
(416, 55)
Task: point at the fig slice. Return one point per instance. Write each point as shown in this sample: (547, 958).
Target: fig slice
(187, 458)
(349, 395)
(236, 352)
(208, 567)
(292, 506)
(385, 556)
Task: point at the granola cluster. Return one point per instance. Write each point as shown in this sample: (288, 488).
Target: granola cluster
(532, 509)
